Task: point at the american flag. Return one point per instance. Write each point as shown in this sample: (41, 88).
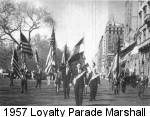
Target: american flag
(38, 63)
(25, 46)
(14, 64)
(50, 62)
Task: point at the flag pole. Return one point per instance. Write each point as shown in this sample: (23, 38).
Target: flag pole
(22, 55)
(83, 52)
(54, 51)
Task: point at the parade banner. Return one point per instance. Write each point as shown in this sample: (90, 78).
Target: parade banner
(79, 76)
(74, 111)
(95, 76)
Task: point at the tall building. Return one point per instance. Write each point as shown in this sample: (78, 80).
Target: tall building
(100, 55)
(113, 32)
(131, 21)
(143, 36)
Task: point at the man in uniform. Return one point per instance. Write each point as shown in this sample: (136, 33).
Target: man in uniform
(79, 86)
(38, 79)
(94, 83)
(141, 85)
(66, 77)
(23, 81)
(123, 82)
(11, 78)
(58, 79)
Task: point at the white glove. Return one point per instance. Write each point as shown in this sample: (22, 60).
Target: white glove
(70, 85)
(86, 86)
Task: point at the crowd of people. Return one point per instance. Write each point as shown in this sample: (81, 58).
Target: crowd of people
(80, 79)
(135, 81)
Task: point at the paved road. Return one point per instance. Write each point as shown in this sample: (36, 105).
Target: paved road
(46, 96)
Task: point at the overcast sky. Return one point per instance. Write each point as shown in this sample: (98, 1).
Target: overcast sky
(78, 18)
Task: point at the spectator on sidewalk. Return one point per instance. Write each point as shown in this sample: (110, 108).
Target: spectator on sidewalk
(141, 85)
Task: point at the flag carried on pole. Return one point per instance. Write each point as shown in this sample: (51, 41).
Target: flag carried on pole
(77, 52)
(127, 50)
(37, 60)
(50, 62)
(25, 46)
(25, 66)
(14, 64)
(64, 56)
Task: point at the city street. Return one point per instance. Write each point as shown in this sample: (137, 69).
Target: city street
(46, 96)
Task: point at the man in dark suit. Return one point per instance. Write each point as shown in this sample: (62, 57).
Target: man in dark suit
(12, 75)
(66, 77)
(79, 86)
(38, 79)
(94, 83)
(23, 81)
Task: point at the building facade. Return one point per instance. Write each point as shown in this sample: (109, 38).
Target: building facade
(130, 29)
(100, 55)
(143, 37)
(113, 32)
(131, 21)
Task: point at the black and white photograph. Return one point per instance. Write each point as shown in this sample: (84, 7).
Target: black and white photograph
(75, 53)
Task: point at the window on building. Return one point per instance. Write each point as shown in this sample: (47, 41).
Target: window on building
(148, 5)
(114, 31)
(140, 39)
(109, 31)
(144, 34)
(149, 32)
(145, 10)
(140, 18)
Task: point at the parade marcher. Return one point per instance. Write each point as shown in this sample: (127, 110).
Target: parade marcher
(67, 78)
(48, 79)
(58, 79)
(32, 75)
(116, 83)
(123, 82)
(141, 86)
(79, 86)
(133, 80)
(12, 75)
(147, 81)
(94, 83)
(38, 79)
(23, 81)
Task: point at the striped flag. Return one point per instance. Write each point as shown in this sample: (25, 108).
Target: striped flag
(37, 60)
(14, 64)
(77, 52)
(50, 62)
(25, 46)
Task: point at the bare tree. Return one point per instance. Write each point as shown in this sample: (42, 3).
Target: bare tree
(34, 18)
(9, 20)
(21, 16)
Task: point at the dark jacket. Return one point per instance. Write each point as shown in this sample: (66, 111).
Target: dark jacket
(81, 81)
